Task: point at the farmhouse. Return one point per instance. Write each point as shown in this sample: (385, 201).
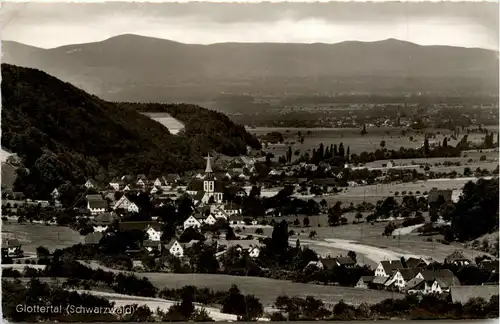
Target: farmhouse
(210, 220)
(103, 221)
(254, 252)
(175, 248)
(457, 258)
(90, 184)
(12, 248)
(154, 232)
(123, 203)
(55, 194)
(364, 282)
(386, 268)
(400, 277)
(192, 222)
(331, 263)
(97, 206)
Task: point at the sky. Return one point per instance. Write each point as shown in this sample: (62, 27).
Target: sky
(52, 24)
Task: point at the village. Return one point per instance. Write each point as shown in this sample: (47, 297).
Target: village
(125, 209)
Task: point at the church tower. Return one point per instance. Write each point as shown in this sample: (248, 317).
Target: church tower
(208, 183)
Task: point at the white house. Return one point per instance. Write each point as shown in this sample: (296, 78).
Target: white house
(254, 252)
(154, 190)
(157, 182)
(89, 184)
(126, 188)
(175, 248)
(154, 232)
(141, 182)
(133, 208)
(122, 203)
(55, 193)
(401, 277)
(191, 222)
(220, 214)
(386, 268)
(210, 220)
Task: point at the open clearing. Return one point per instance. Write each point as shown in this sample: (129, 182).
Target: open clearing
(32, 236)
(373, 193)
(173, 125)
(351, 137)
(268, 289)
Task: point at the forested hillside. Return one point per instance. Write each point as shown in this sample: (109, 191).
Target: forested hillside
(220, 133)
(63, 133)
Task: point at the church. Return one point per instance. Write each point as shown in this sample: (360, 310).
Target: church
(201, 190)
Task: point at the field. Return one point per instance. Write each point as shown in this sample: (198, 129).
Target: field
(368, 242)
(351, 137)
(373, 193)
(173, 125)
(268, 289)
(32, 236)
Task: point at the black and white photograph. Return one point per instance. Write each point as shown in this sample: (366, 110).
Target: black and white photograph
(224, 161)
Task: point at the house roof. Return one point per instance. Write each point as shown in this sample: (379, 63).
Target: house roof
(105, 218)
(156, 226)
(457, 255)
(93, 197)
(137, 225)
(93, 238)
(414, 283)
(414, 263)
(236, 218)
(98, 204)
(367, 279)
(170, 244)
(391, 265)
(462, 294)
(409, 273)
(445, 277)
(345, 261)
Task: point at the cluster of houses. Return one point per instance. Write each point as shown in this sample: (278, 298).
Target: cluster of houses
(210, 208)
(413, 276)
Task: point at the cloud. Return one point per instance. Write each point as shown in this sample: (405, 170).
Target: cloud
(55, 24)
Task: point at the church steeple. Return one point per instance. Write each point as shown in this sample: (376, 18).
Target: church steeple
(208, 169)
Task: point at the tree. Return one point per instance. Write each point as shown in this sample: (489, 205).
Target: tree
(352, 255)
(363, 131)
(358, 216)
(306, 222)
(382, 144)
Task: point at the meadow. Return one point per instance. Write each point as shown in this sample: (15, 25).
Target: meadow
(173, 125)
(351, 137)
(268, 289)
(32, 236)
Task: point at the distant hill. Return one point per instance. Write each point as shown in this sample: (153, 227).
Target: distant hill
(137, 68)
(62, 133)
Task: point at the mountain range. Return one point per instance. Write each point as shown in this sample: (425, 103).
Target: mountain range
(137, 68)
(62, 133)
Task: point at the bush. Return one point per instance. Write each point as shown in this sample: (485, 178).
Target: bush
(482, 158)
(259, 231)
